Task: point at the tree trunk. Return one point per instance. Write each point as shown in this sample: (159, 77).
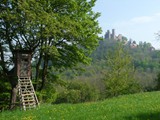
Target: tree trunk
(11, 78)
(13, 97)
(44, 73)
(37, 71)
(14, 84)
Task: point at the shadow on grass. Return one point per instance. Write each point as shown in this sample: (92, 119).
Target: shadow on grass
(144, 116)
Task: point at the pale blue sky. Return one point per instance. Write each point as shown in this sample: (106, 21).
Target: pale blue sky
(136, 19)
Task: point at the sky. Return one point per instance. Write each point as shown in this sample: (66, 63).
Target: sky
(135, 19)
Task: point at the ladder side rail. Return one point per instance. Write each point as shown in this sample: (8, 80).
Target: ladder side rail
(34, 92)
(20, 94)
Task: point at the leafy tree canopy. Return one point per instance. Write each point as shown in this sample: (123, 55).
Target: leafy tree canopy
(64, 30)
(60, 33)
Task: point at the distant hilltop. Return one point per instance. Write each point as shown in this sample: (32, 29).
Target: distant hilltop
(112, 35)
(120, 37)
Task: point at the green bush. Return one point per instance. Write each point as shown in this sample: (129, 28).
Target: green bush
(119, 87)
(4, 93)
(158, 82)
(74, 96)
(77, 92)
(47, 95)
(4, 101)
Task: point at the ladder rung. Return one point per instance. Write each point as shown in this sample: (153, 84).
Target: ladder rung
(27, 80)
(23, 93)
(23, 77)
(28, 101)
(33, 103)
(29, 94)
(26, 86)
(28, 98)
(24, 82)
(27, 91)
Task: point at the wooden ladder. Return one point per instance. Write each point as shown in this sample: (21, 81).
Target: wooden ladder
(27, 94)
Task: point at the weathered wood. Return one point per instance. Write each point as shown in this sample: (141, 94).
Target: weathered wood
(23, 63)
(27, 94)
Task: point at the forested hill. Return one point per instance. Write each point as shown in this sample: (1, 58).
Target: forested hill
(144, 56)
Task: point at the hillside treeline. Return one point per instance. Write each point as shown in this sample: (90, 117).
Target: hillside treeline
(144, 57)
(118, 68)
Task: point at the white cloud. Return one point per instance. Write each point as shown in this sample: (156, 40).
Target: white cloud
(146, 19)
(157, 14)
(139, 20)
(142, 19)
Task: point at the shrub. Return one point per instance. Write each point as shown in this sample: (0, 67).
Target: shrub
(4, 100)
(77, 92)
(47, 95)
(158, 82)
(4, 93)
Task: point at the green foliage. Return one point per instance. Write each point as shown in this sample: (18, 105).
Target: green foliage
(77, 92)
(66, 32)
(4, 94)
(141, 64)
(119, 78)
(145, 61)
(158, 82)
(146, 79)
(4, 99)
(144, 56)
(60, 34)
(69, 96)
(144, 106)
(47, 95)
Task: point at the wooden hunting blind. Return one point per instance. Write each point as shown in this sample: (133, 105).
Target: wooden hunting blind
(23, 63)
(26, 91)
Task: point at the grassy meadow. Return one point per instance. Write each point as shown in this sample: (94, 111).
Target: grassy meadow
(142, 106)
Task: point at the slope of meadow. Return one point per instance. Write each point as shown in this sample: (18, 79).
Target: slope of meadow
(142, 106)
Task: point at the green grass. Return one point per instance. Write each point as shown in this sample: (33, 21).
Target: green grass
(143, 106)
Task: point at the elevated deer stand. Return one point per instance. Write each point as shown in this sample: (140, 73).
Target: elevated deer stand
(28, 98)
